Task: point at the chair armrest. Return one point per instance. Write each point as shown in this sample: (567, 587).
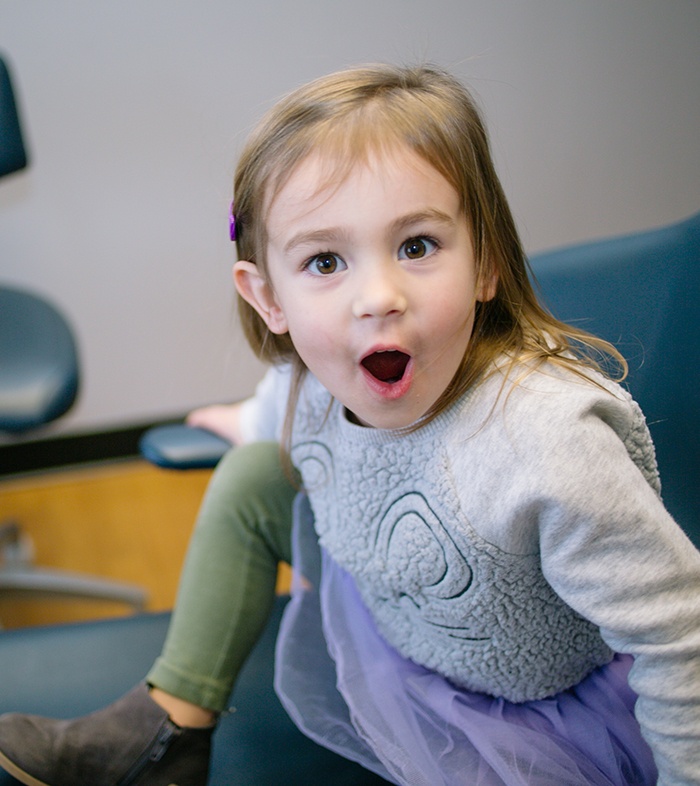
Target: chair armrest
(182, 447)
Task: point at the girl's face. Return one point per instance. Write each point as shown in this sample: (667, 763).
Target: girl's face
(375, 281)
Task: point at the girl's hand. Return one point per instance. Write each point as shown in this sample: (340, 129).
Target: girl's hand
(221, 419)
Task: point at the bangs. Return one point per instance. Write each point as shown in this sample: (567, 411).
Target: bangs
(350, 117)
(382, 127)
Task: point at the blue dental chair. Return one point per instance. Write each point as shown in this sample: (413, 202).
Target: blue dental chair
(39, 379)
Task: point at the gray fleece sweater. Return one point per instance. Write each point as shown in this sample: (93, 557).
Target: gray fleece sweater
(514, 542)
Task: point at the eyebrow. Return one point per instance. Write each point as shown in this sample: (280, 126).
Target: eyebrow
(431, 214)
(315, 237)
(336, 234)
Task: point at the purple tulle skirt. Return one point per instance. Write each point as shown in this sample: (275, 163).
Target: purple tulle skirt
(346, 688)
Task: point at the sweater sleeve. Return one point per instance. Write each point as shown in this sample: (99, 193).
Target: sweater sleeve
(262, 415)
(613, 553)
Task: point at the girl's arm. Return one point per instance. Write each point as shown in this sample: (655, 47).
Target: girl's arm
(613, 553)
(568, 472)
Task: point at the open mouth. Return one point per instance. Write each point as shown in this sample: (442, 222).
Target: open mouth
(388, 367)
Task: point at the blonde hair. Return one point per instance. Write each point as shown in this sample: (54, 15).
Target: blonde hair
(375, 109)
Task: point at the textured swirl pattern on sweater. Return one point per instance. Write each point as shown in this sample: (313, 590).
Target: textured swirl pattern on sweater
(440, 593)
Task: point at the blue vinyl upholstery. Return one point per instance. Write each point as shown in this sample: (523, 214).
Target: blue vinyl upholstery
(66, 671)
(38, 361)
(178, 446)
(13, 153)
(642, 293)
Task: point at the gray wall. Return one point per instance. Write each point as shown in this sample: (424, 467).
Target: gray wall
(135, 111)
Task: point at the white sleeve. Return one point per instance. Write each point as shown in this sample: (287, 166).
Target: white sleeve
(262, 415)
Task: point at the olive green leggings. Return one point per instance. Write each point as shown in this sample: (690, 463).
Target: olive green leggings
(228, 580)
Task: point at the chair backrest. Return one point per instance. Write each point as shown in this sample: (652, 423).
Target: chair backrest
(13, 155)
(38, 355)
(642, 293)
(38, 361)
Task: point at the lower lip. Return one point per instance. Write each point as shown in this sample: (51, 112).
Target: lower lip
(391, 391)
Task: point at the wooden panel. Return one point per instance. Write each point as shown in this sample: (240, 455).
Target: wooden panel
(128, 521)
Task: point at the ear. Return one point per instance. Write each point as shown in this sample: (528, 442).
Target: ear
(486, 289)
(256, 290)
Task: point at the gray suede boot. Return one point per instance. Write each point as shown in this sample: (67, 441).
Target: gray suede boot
(129, 743)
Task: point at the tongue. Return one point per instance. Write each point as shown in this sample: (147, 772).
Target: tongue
(386, 366)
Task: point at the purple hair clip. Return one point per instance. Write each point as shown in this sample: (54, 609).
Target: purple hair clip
(232, 223)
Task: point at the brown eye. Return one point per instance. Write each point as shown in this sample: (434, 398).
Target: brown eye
(417, 248)
(325, 264)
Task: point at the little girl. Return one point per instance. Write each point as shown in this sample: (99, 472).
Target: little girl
(490, 590)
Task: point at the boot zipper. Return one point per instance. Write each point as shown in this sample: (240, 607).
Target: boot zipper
(162, 742)
(155, 753)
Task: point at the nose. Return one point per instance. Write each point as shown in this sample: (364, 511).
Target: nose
(379, 294)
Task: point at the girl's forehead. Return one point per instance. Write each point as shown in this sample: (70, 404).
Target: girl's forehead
(322, 173)
(376, 199)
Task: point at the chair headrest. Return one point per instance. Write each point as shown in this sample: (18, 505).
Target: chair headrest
(13, 154)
